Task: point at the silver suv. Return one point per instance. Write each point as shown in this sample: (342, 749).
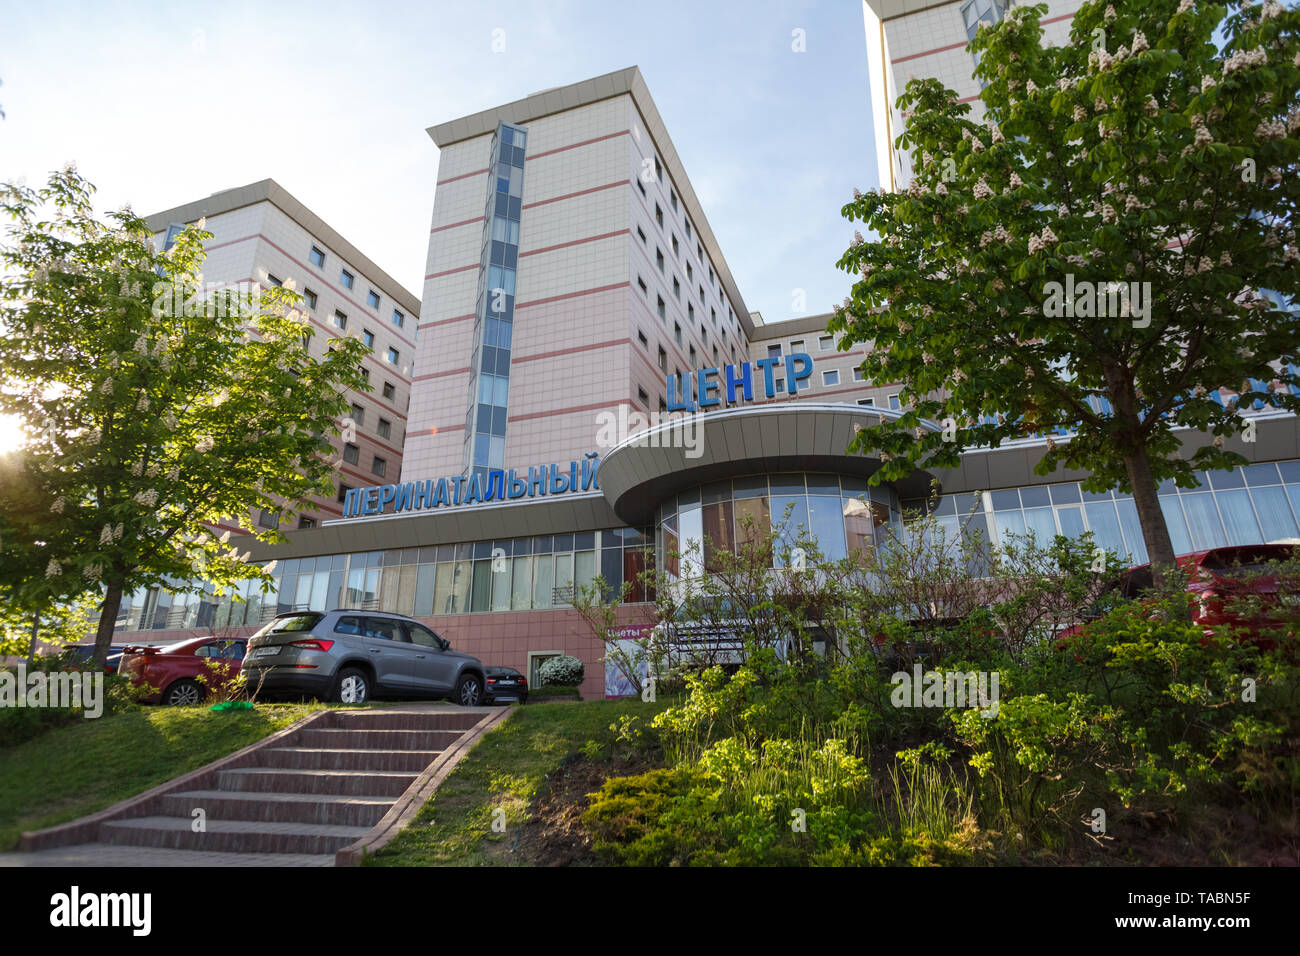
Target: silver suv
(351, 656)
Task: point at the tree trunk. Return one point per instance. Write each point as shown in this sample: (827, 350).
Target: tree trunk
(107, 623)
(31, 650)
(1155, 532)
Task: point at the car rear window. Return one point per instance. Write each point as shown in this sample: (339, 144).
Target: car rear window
(291, 624)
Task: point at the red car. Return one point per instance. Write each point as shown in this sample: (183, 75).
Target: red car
(1218, 576)
(172, 671)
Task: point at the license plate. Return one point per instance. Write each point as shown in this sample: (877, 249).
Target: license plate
(264, 652)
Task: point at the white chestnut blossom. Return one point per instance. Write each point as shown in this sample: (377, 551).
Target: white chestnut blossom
(147, 498)
(205, 444)
(53, 569)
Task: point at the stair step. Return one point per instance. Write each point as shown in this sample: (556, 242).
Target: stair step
(314, 808)
(447, 718)
(347, 738)
(377, 783)
(229, 836)
(336, 758)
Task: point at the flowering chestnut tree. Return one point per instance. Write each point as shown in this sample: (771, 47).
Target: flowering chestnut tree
(154, 407)
(1111, 253)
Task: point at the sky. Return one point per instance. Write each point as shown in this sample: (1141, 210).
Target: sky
(162, 104)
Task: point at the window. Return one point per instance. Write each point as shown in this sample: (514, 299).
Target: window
(715, 354)
(351, 453)
(273, 280)
(340, 319)
(701, 292)
(640, 337)
(894, 403)
(826, 342)
(677, 289)
(644, 290)
(379, 466)
(309, 297)
(672, 198)
(677, 250)
(659, 171)
(780, 386)
(688, 229)
(399, 319)
(663, 312)
(659, 259)
(641, 232)
(317, 257)
(365, 374)
(663, 405)
(831, 377)
(690, 273)
(677, 332)
(346, 278)
(690, 312)
(640, 185)
(774, 351)
(643, 396)
(389, 391)
(796, 345)
(384, 428)
(372, 299)
(305, 522)
(393, 356)
(869, 402)
(358, 414)
(368, 337)
(663, 359)
(858, 376)
(268, 519)
(699, 252)
(694, 363)
(659, 216)
(343, 492)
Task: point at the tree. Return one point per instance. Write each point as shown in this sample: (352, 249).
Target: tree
(154, 406)
(1094, 257)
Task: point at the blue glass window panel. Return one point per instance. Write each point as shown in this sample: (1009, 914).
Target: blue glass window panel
(1105, 527)
(1290, 471)
(1132, 528)
(1097, 495)
(517, 157)
(503, 362)
(516, 181)
(947, 505)
(788, 529)
(508, 281)
(503, 184)
(501, 207)
(480, 452)
(1071, 521)
(1239, 517)
(496, 280)
(1177, 524)
(489, 359)
(753, 487)
(1274, 513)
(1009, 523)
(485, 388)
(512, 256)
(490, 331)
(514, 207)
(484, 423)
(786, 484)
(1035, 496)
(1261, 474)
(500, 391)
(827, 526)
(499, 229)
(498, 253)
(1167, 487)
(823, 485)
(1041, 524)
(497, 451)
(1203, 522)
(521, 138)
(1227, 479)
(1065, 494)
(507, 135)
(1008, 500)
(498, 420)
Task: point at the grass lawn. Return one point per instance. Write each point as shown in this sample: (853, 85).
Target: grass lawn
(79, 768)
(507, 769)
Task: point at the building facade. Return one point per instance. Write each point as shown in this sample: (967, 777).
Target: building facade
(591, 394)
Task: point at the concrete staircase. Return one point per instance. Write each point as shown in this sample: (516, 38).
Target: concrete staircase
(301, 798)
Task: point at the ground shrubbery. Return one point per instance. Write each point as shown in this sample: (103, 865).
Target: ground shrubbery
(806, 760)
(561, 671)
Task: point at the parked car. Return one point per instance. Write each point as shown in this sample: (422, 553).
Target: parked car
(350, 656)
(81, 654)
(505, 685)
(173, 670)
(1217, 577)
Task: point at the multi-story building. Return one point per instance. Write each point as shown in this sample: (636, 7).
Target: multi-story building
(574, 292)
(262, 234)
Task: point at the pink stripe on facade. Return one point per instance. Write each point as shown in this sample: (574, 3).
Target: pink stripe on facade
(613, 403)
(453, 225)
(452, 179)
(454, 318)
(571, 295)
(570, 351)
(450, 371)
(436, 275)
(575, 242)
(585, 142)
(580, 192)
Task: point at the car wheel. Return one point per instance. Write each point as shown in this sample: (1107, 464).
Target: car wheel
(353, 687)
(184, 693)
(469, 691)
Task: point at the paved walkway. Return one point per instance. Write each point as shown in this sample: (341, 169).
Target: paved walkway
(105, 854)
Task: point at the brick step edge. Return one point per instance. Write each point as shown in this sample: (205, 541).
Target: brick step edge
(418, 793)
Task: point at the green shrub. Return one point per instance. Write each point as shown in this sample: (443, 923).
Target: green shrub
(561, 670)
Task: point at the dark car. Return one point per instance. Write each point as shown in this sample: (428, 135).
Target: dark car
(506, 685)
(350, 656)
(82, 653)
(173, 671)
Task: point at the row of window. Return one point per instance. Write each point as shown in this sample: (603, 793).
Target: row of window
(348, 281)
